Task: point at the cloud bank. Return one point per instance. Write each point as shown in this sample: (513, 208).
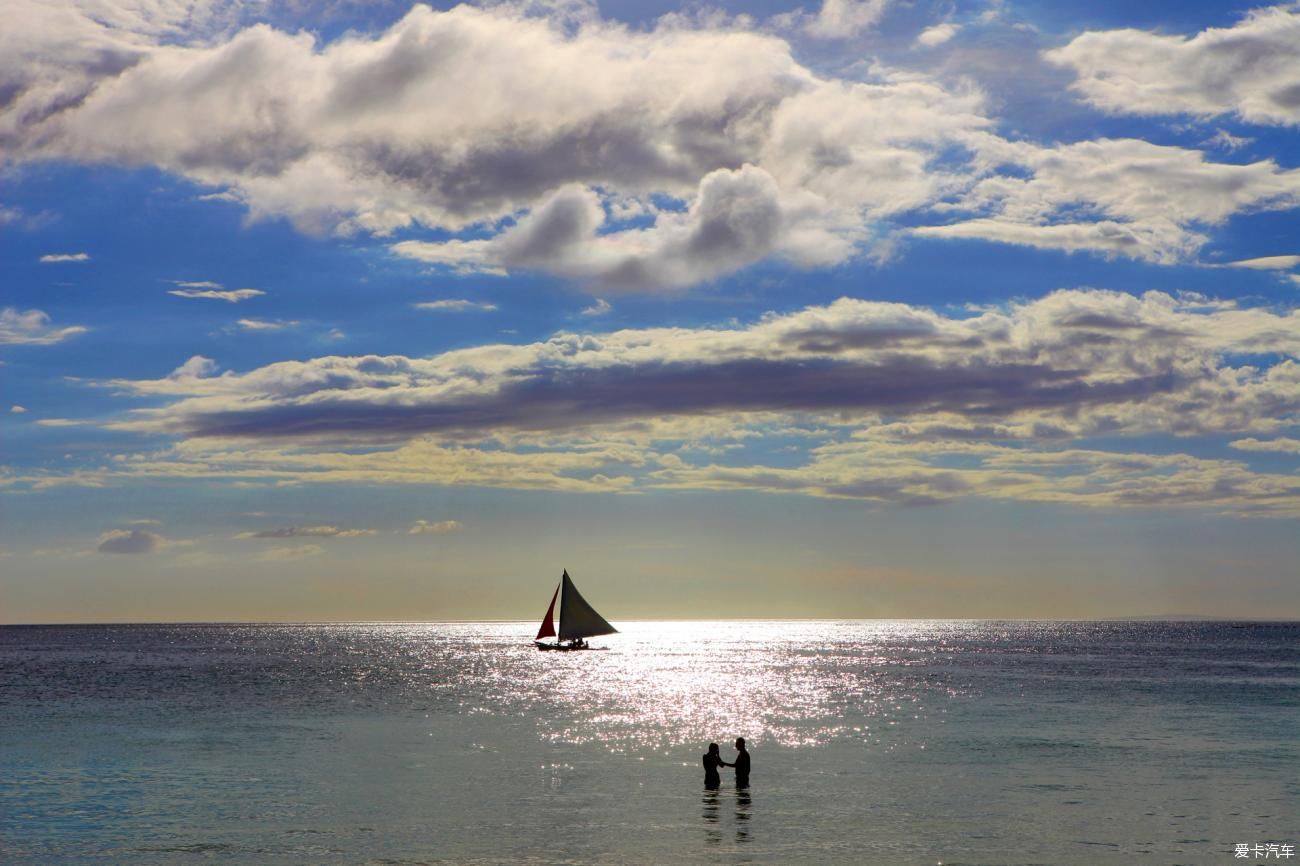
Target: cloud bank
(1083, 361)
(891, 403)
(617, 158)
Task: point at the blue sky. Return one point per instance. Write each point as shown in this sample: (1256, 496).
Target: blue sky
(340, 311)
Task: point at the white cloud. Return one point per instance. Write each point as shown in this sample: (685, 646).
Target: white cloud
(132, 541)
(265, 325)
(937, 35)
(440, 527)
(17, 410)
(843, 19)
(32, 327)
(1281, 445)
(197, 284)
(232, 296)
(560, 138)
(1268, 263)
(1251, 69)
(457, 305)
(308, 532)
(1113, 196)
(1224, 140)
(197, 367)
(335, 137)
(62, 422)
(600, 308)
(53, 258)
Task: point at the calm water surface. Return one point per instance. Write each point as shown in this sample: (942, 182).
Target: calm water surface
(872, 742)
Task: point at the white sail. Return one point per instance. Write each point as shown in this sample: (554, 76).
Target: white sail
(577, 618)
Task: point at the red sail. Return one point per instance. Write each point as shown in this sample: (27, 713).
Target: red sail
(548, 622)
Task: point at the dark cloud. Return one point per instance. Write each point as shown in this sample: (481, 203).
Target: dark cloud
(557, 400)
(1095, 360)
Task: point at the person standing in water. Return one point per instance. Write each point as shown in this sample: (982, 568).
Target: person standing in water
(712, 760)
(742, 764)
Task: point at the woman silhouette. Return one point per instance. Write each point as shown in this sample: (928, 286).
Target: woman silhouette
(712, 760)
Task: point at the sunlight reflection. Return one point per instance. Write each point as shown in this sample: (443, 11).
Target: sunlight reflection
(660, 685)
(663, 684)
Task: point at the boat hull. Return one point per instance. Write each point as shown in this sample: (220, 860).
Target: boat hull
(563, 648)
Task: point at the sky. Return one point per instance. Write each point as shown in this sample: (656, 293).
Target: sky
(341, 310)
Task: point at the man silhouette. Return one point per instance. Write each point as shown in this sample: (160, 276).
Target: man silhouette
(741, 764)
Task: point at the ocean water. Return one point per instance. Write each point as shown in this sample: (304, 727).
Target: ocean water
(873, 743)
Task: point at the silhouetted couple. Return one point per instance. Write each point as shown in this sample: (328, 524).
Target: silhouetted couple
(713, 760)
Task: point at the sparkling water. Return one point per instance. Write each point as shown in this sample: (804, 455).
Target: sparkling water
(872, 742)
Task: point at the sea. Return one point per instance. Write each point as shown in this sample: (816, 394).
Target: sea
(872, 742)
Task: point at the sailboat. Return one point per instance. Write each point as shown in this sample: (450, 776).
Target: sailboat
(578, 620)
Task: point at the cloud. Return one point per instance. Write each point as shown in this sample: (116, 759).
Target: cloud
(634, 159)
(843, 19)
(53, 258)
(16, 216)
(133, 541)
(265, 325)
(1268, 263)
(32, 328)
(197, 284)
(288, 554)
(308, 532)
(735, 220)
(1283, 445)
(62, 422)
(1086, 361)
(1223, 140)
(600, 308)
(537, 117)
(893, 404)
(1118, 197)
(456, 306)
(937, 35)
(921, 474)
(441, 527)
(17, 410)
(1251, 70)
(232, 296)
(197, 367)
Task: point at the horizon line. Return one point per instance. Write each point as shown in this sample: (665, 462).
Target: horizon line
(326, 622)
